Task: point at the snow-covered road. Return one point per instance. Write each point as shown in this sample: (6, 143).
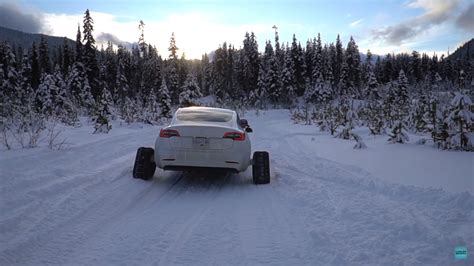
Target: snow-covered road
(81, 206)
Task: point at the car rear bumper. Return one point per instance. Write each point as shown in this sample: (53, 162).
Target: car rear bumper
(168, 158)
(194, 168)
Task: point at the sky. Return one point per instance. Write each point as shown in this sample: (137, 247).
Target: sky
(383, 26)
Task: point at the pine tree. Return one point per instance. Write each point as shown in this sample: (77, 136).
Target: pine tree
(64, 108)
(128, 111)
(402, 93)
(44, 61)
(346, 87)
(152, 115)
(78, 44)
(387, 69)
(309, 55)
(173, 49)
(122, 90)
(279, 52)
(352, 59)
(460, 122)
(151, 74)
(299, 66)
(10, 86)
(182, 70)
(190, 92)
(79, 88)
(172, 70)
(259, 96)
(270, 80)
(339, 59)
(311, 93)
(205, 69)
(415, 66)
(328, 69)
(141, 40)
(109, 67)
(67, 57)
(397, 134)
(367, 65)
(89, 55)
(164, 100)
(371, 90)
(317, 62)
(374, 109)
(219, 83)
(45, 95)
(35, 67)
(390, 105)
(250, 61)
(288, 88)
(350, 120)
(104, 113)
(25, 77)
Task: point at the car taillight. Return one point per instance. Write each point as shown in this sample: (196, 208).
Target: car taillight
(238, 136)
(168, 133)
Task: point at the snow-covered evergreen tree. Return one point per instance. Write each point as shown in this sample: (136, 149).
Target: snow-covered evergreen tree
(375, 117)
(45, 94)
(122, 89)
(259, 95)
(89, 55)
(352, 59)
(152, 112)
(64, 108)
(460, 121)
(397, 134)
(288, 87)
(250, 63)
(402, 92)
(311, 92)
(128, 111)
(25, 91)
(345, 85)
(296, 53)
(371, 90)
(79, 88)
(105, 110)
(190, 92)
(350, 120)
(330, 119)
(164, 100)
(273, 81)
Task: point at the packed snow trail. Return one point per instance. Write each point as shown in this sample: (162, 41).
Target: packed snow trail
(81, 206)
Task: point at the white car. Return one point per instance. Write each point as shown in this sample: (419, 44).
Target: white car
(203, 137)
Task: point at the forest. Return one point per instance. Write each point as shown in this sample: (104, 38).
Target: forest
(321, 83)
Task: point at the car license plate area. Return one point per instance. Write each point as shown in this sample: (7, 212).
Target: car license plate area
(200, 142)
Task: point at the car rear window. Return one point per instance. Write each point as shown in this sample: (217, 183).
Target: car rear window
(204, 116)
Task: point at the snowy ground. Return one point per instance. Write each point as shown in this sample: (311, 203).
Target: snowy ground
(327, 203)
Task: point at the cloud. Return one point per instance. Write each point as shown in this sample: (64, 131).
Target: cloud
(466, 19)
(436, 13)
(104, 37)
(356, 23)
(22, 18)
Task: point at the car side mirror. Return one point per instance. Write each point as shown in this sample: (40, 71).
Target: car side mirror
(244, 123)
(248, 130)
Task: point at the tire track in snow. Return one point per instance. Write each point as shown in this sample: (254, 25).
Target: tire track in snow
(187, 229)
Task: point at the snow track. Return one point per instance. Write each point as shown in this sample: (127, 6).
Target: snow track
(81, 206)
